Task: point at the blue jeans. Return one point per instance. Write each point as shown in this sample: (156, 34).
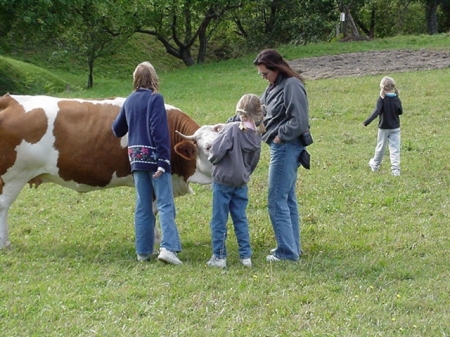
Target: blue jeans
(144, 219)
(282, 200)
(233, 200)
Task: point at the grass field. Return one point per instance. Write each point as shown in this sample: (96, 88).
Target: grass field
(377, 247)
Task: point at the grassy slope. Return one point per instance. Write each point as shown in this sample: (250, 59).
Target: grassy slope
(24, 78)
(376, 247)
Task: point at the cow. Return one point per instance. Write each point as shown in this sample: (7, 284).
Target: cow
(70, 142)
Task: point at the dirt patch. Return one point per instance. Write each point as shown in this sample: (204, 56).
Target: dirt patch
(370, 63)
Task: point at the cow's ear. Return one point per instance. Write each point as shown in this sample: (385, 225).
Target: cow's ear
(186, 149)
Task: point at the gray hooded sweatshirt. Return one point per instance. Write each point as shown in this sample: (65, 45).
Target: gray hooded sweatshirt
(234, 155)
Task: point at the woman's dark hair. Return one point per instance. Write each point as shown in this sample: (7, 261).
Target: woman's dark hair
(274, 61)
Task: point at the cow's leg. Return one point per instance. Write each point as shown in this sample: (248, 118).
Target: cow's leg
(4, 235)
(7, 197)
(157, 235)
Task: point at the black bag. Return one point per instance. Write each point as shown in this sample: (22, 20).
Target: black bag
(304, 159)
(306, 138)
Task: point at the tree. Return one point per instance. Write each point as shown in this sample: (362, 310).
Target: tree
(28, 20)
(431, 8)
(182, 25)
(444, 17)
(347, 7)
(86, 29)
(97, 28)
(8, 15)
(272, 22)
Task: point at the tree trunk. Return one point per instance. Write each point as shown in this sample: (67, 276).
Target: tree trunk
(203, 42)
(351, 23)
(431, 16)
(185, 55)
(90, 82)
(372, 24)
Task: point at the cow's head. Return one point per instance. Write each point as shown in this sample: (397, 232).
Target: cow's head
(198, 145)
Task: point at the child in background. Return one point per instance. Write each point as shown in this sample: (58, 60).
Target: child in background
(389, 109)
(234, 155)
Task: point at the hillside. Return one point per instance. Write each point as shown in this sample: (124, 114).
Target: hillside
(59, 72)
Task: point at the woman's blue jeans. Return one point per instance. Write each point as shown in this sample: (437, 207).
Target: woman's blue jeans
(233, 200)
(144, 219)
(282, 200)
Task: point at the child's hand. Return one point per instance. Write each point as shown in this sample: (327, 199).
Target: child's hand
(157, 174)
(218, 127)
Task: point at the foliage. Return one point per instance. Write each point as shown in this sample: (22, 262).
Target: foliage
(376, 246)
(393, 18)
(271, 23)
(181, 25)
(202, 30)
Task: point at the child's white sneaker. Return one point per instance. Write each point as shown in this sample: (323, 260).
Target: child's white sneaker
(167, 256)
(142, 258)
(216, 262)
(373, 166)
(246, 262)
(395, 173)
(272, 258)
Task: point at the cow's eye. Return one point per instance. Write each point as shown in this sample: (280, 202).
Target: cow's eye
(208, 148)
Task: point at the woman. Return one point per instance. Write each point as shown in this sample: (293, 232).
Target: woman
(286, 119)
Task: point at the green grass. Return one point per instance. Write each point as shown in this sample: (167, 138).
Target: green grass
(17, 77)
(376, 246)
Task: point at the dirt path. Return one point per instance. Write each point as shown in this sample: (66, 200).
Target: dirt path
(371, 63)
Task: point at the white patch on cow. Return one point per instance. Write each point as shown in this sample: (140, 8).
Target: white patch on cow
(179, 186)
(41, 156)
(171, 107)
(118, 101)
(204, 138)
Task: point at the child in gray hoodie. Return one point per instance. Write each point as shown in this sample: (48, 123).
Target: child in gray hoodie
(234, 155)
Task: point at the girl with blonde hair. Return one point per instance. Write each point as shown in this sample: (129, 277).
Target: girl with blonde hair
(234, 155)
(388, 109)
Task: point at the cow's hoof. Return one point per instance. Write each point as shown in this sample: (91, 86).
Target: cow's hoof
(6, 246)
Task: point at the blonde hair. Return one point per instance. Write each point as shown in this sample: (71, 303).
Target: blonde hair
(249, 108)
(387, 84)
(144, 76)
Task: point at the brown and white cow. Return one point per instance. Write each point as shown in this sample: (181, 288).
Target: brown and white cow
(69, 142)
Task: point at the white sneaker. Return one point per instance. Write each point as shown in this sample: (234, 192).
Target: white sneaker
(272, 251)
(272, 258)
(166, 256)
(142, 258)
(216, 262)
(396, 173)
(146, 257)
(246, 262)
(373, 166)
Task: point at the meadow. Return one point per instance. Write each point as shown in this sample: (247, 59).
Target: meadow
(376, 247)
